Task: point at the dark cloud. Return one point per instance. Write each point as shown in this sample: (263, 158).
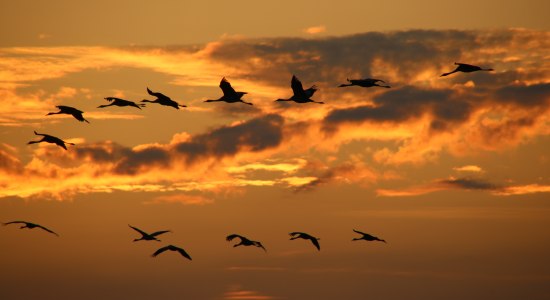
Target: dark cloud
(254, 135)
(331, 60)
(536, 95)
(470, 184)
(403, 104)
(148, 157)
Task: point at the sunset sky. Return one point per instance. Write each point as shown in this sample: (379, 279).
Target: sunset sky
(453, 172)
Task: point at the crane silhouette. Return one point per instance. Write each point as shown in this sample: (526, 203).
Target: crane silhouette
(172, 248)
(77, 114)
(146, 236)
(30, 225)
(244, 241)
(367, 82)
(299, 94)
(163, 100)
(50, 139)
(367, 237)
(229, 94)
(305, 236)
(466, 68)
(121, 102)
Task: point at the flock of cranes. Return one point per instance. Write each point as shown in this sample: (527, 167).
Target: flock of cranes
(243, 241)
(300, 95)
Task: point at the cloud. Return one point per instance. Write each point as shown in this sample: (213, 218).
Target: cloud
(471, 184)
(469, 168)
(315, 29)
(236, 292)
(523, 189)
(353, 171)
(416, 121)
(182, 199)
(188, 163)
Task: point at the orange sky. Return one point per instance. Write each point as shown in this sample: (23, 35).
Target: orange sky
(451, 171)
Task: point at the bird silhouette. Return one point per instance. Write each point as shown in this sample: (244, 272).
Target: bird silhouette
(30, 225)
(172, 248)
(466, 68)
(163, 100)
(121, 102)
(367, 237)
(299, 94)
(367, 82)
(50, 139)
(305, 236)
(77, 114)
(146, 236)
(244, 241)
(229, 94)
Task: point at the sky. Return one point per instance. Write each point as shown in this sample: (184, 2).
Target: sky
(451, 171)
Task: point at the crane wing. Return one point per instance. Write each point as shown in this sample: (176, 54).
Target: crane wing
(44, 228)
(138, 230)
(297, 87)
(156, 94)
(160, 232)
(183, 253)
(259, 245)
(226, 87)
(159, 251)
(360, 232)
(316, 243)
(233, 236)
(15, 222)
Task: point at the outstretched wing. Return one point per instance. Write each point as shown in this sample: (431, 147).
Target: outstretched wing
(227, 88)
(233, 236)
(465, 65)
(69, 109)
(316, 243)
(258, 244)
(113, 99)
(360, 232)
(297, 87)
(40, 226)
(15, 222)
(159, 232)
(158, 95)
(138, 230)
(159, 251)
(183, 253)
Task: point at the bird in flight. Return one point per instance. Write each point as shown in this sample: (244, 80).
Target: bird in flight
(305, 236)
(244, 241)
(229, 94)
(50, 139)
(172, 248)
(30, 225)
(121, 102)
(367, 82)
(466, 68)
(77, 114)
(299, 94)
(163, 100)
(146, 236)
(367, 237)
